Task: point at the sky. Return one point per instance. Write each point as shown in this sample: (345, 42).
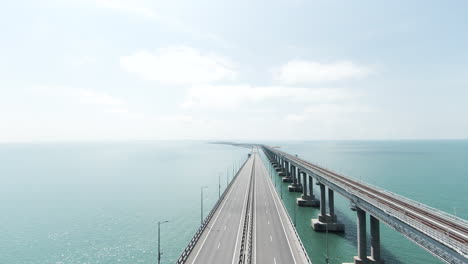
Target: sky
(93, 70)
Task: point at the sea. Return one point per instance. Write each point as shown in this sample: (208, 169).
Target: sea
(100, 202)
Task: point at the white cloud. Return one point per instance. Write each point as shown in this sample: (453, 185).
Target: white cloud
(73, 97)
(96, 98)
(176, 118)
(82, 60)
(179, 65)
(301, 72)
(330, 112)
(158, 11)
(231, 96)
(126, 6)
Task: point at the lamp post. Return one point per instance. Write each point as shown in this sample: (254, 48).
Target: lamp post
(294, 206)
(281, 190)
(275, 182)
(159, 239)
(201, 202)
(219, 185)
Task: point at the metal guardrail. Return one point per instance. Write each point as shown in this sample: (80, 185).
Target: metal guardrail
(246, 242)
(400, 197)
(441, 237)
(183, 257)
(251, 222)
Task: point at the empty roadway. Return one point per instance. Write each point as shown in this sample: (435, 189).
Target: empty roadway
(274, 238)
(220, 241)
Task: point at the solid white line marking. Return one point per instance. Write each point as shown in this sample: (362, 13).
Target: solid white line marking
(254, 243)
(219, 213)
(274, 260)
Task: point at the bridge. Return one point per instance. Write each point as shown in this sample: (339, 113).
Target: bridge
(249, 223)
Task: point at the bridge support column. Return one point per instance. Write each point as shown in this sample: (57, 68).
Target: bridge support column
(361, 237)
(375, 241)
(307, 199)
(278, 163)
(272, 160)
(331, 205)
(295, 186)
(326, 222)
(361, 258)
(287, 176)
(282, 171)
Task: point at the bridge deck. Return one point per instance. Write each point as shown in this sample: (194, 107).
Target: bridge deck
(444, 235)
(274, 239)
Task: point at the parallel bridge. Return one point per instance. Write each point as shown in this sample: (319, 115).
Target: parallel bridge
(443, 235)
(249, 223)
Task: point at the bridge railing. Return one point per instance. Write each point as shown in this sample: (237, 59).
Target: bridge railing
(400, 197)
(403, 198)
(442, 237)
(397, 196)
(183, 257)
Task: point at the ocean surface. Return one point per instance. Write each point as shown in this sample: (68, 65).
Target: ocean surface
(100, 202)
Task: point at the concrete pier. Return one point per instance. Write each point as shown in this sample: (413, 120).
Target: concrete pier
(307, 199)
(385, 207)
(361, 258)
(327, 222)
(276, 164)
(375, 241)
(295, 186)
(282, 172)
(287, 173)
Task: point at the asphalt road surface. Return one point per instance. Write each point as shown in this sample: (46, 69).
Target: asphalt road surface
(273, 237)
(220, 241)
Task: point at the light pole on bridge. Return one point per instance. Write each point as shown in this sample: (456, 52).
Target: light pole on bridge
(159, 239)
(294, 206)
(201, 202)
(281, 191)
(219, 185)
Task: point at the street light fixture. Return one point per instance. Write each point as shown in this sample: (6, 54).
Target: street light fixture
(201, 202)
(219, 185)
(159, 239)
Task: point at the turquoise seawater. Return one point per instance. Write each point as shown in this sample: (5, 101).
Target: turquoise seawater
(100, 202)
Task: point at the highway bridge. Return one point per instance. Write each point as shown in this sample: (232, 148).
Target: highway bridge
(249, 223)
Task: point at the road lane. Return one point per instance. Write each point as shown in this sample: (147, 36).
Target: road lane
(219, 242)
(275, 239)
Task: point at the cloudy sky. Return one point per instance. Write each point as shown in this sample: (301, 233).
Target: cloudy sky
(74, 70)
